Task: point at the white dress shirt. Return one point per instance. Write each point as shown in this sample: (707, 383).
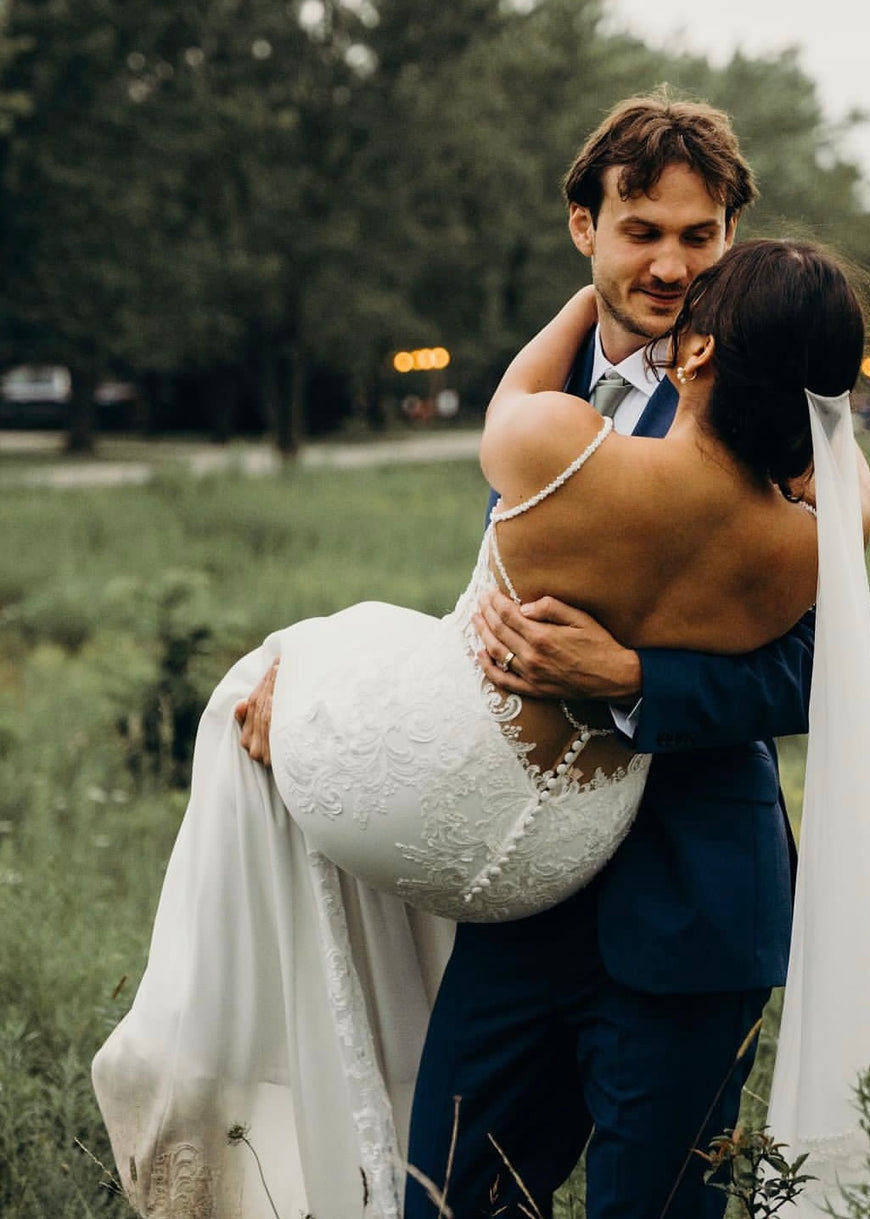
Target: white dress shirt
(635, 370)
(644, 382)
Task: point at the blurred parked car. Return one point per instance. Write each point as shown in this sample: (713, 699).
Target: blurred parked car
(33, 396)
(117, 406)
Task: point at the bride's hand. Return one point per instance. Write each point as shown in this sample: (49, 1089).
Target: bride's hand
(254, 715)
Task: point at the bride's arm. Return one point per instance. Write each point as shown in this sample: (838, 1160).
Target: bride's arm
(545, 362)
(535, 377)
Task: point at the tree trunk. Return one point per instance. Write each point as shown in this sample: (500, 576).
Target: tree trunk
(290, 407)
(81, 437)
(222, 407)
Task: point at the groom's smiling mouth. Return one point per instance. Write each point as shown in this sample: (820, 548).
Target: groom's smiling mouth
(664, 298)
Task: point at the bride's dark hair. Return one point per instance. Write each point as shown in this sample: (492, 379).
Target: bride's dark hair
(784, 319)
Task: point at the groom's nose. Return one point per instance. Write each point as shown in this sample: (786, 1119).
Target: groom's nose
(668, 264)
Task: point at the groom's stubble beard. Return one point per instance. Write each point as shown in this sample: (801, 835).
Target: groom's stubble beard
(627, 320)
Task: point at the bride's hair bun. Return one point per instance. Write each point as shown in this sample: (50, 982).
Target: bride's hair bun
(784, 319)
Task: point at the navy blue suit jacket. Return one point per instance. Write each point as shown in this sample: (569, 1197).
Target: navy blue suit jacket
(698, 897)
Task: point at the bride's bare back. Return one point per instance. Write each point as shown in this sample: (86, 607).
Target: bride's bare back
(666, 542)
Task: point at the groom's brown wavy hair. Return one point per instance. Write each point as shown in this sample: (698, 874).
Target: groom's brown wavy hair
(644, 135)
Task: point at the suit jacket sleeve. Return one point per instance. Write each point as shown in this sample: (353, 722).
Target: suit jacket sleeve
(697, 700)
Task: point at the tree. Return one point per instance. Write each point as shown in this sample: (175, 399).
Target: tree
(260, 196)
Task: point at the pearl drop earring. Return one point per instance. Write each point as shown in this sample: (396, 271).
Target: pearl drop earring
(681, 375)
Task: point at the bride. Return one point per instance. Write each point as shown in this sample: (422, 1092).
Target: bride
(268, 1060)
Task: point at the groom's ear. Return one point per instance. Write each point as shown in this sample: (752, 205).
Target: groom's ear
(581, 226)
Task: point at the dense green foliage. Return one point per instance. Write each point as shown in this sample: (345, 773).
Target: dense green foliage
(256, 201)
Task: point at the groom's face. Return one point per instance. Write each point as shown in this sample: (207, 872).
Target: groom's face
(645, 252)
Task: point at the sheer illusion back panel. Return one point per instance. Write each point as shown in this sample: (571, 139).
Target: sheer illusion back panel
(548, 729)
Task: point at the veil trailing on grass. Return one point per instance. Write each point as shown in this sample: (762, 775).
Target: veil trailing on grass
(824, 1041)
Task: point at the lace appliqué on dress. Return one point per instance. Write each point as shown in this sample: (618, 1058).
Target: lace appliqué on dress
(380, 1161)
(181, 1185)
(376, 759)
(411, 775)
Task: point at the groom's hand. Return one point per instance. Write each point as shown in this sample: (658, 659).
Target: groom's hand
(558, 651)
(254, 716)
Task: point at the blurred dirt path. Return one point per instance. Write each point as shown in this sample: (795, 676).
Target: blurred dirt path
(124, 461)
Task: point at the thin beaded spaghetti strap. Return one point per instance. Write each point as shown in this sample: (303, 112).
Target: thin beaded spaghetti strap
(510, 513)
(502, 570)
(585, 733)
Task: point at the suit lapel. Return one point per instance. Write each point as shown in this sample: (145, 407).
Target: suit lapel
(658, 414)
(581, 374)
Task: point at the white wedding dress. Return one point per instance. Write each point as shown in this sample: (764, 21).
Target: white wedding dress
(298, 945)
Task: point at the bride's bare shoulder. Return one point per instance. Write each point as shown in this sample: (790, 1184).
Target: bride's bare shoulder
(530, 438)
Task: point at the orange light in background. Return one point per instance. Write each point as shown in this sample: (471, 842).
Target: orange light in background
(865, 366)
(424, 359)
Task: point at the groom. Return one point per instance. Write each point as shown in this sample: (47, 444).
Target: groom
(613, 1020)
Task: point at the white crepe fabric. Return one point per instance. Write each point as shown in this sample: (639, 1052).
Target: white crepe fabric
(824, 1042)
(281, 999)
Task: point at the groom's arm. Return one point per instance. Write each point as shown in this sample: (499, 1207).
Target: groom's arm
(695, 700)
(687, 700)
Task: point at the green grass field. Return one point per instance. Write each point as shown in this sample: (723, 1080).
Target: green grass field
(120, 608)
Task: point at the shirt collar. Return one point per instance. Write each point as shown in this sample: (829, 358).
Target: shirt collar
(634, 367)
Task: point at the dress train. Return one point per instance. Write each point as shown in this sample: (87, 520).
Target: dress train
(281, 998)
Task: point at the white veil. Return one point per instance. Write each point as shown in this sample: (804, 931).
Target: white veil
(825, 1037)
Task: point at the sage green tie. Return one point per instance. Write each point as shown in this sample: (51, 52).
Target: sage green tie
(609, 392)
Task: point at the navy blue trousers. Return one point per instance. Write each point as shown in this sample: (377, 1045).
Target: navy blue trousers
(548, 1054)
